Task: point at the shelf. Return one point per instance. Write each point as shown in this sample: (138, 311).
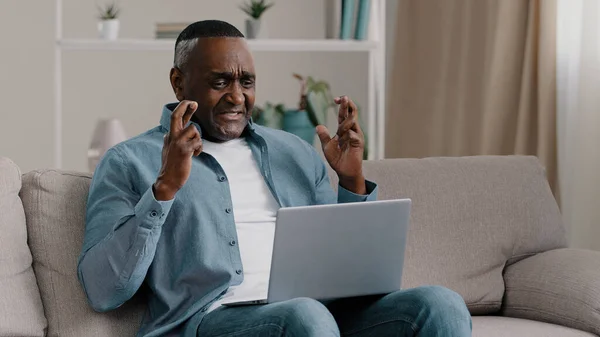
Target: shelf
(374, 50)
(273, 45)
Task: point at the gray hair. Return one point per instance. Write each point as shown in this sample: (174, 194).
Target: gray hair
(183, 50)
(188, 38)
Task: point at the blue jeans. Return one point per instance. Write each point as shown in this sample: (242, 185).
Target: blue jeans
(425, 311)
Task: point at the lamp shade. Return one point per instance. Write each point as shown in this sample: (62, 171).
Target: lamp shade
(108, 133)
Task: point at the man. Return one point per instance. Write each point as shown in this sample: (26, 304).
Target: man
(195, 224)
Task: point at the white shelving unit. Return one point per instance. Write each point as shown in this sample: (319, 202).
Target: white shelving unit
(376, 69)
(264, 45)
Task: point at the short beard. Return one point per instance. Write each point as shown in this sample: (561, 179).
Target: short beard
(228, 132)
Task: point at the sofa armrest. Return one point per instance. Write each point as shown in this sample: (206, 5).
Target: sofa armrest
(560, 286)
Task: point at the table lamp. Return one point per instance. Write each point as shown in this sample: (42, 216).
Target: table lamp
(108, 133)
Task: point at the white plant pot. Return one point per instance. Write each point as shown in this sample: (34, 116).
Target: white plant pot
(253, 29)
(108, 29)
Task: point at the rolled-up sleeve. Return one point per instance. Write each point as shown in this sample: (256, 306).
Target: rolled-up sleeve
(346, 196)
(325, 193)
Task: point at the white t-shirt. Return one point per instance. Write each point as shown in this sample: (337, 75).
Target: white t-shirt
(254, 211)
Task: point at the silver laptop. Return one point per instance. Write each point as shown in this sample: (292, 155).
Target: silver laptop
(335, 251)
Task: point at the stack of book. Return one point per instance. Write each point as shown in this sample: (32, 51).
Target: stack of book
(351, 19)
(169, 30)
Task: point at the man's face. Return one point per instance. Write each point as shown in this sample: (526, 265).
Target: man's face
(220, 77)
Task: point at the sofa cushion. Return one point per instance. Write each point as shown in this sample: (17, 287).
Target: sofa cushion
(55, 209)
(470, 217)
(21, 310)
(561, 286)
(515, 327)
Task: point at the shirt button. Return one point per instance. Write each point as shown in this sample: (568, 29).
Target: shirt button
(221, 178)
(239, 272)
(228, 210)
(153, 213)
(232, 243)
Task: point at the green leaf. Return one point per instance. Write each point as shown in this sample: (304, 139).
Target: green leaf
(319, 106)
(244, 9)
(255, 8)
(312, 114)
(280, 108)
(330, 98)
(320, 87)
(109, 11)
(269, 115)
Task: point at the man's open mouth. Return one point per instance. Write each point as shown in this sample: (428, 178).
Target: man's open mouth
(231, 115)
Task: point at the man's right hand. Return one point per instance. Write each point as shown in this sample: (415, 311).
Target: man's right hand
(179, 147)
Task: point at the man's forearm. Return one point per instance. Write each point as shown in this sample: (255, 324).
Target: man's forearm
(114, 262)
(113, 270)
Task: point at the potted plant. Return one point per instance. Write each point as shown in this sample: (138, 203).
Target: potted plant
(255, 9)
(313, 105)
(269, 115)
(108, 27)
(316, 103)
(315, 98)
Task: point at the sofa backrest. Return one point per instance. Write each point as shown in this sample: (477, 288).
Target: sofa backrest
(21, 311)
(470, 218)
(55, 209)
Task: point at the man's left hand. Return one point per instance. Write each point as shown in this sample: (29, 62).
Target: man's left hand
(344, 151)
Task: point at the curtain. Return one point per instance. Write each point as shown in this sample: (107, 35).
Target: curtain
(578, 71)
(473, 77)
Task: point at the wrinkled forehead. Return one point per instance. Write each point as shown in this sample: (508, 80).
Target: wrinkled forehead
(222, 53)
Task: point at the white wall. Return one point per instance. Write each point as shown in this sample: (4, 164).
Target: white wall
(26, 61)
(133, 86)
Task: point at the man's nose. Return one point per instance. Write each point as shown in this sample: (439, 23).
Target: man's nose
(236, 95)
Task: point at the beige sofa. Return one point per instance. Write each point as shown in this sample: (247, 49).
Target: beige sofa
(486, 227)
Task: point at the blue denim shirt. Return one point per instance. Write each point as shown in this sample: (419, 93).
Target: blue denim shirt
(184, 250)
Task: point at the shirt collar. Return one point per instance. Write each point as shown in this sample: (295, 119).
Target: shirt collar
(167, 111)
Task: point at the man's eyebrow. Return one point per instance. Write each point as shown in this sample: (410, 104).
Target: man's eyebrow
(229, 74)
(248, 74)
(221, 74)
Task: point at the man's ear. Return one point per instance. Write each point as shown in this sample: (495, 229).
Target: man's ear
(176, 77)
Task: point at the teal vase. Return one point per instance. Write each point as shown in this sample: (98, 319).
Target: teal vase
(298, 123)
